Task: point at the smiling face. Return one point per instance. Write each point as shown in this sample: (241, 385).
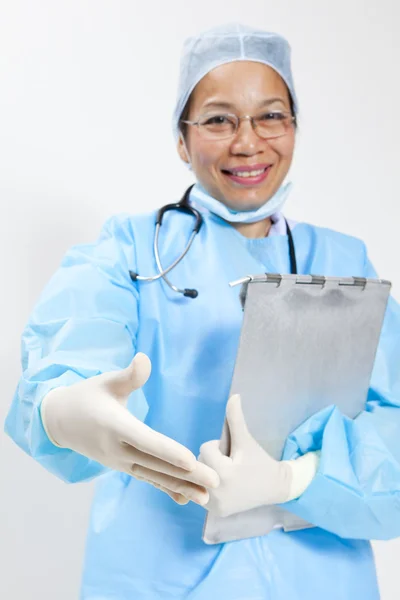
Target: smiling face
(241, 88)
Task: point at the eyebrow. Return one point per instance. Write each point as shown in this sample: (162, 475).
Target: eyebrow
(229, 105)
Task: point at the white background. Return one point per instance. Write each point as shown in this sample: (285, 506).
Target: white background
(86, 95)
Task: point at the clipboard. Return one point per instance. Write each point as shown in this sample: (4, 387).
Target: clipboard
(307, 342)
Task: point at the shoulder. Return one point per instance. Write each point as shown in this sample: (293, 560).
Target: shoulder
(124, 236)
(124, 226)
(337, 251)
(116, 242)
(327, 235)
(314, 234)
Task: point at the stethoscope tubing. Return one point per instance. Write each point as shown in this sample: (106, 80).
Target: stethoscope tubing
(184, 206)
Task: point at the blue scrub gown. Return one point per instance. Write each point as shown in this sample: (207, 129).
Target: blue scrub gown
(91, 319)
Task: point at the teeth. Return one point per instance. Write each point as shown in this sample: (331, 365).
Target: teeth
(248, 173)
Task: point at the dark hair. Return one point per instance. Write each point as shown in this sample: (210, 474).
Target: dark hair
(185, 115)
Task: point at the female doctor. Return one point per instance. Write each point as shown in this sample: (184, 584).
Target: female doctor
(86, 405)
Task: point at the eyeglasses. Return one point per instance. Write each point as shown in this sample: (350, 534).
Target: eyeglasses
(267, 125)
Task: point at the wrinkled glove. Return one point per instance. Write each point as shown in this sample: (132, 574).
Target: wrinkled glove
(250, 477)
(90, 417)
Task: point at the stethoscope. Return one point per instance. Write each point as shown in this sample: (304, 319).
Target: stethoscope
(184, 206)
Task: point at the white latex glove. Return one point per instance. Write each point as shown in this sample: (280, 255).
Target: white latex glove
(90, 417)
(250, 477)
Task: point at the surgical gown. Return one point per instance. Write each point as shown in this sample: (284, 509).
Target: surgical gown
(91, 318)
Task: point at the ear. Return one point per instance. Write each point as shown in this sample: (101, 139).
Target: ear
(182, 150)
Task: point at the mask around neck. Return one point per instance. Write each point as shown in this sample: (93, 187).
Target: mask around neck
(273, 205)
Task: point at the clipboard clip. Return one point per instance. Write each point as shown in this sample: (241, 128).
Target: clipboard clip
(306, 279)
(320, 280)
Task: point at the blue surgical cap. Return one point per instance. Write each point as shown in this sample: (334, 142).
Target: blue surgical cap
(225, 44)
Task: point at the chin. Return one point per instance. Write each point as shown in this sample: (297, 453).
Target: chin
(243, 206)
(246, 199)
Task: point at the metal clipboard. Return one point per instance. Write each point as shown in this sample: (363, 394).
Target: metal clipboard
(307, 342)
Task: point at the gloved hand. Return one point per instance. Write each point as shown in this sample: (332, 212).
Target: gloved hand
(250, 477)
(90, 417)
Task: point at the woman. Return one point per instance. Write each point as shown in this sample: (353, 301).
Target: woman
(70, 414)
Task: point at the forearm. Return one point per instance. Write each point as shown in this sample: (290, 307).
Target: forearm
(24, 425)
(356, 490)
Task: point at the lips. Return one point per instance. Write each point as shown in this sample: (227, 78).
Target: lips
(246, 181)
(237, 172)
(247, 168)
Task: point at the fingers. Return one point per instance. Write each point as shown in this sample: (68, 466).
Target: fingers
(178, 498)
(211, 455)
(143, 438)
(124, 382)
(236, 423)
(189, 490)
(201, 475)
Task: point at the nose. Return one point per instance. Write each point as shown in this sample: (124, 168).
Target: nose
(246, 141)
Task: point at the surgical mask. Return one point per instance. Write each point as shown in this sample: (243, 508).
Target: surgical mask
(273, 205)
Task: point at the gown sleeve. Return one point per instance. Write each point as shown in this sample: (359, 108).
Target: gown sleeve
(84, 324)
(356, 491)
